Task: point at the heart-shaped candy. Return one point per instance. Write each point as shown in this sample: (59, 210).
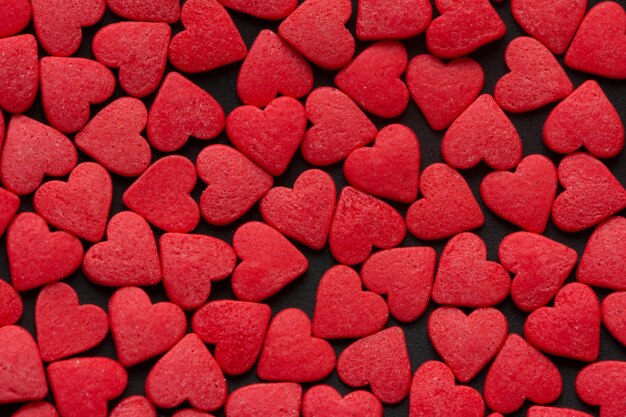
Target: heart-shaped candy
(604, 257)
(134, 406)
(19, 71)
(14, 17)
(539, 411)
(263, 9)
(10, 203)
(614, 315)
(38, 409)
(11, 306)
(392, 19)
(167, 11)
(277, 399)
(603, 384)
(323, 400)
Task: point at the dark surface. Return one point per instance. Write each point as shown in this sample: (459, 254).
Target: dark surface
(301, 293)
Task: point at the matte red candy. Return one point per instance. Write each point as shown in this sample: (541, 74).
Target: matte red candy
(614, 315)
(448, 206)
(360, 223)
(187, 372)
(585, 118)
(316, 29)
(263, 9)
(603, 384)
(343, 310)
(465, 278)
(161, 195)
(37, 409)
(9, 204)
(305, 212)
(22, 377)
(138, 49)
(167, 11)
(38, 256)
(389, 169)
(64, 326)
(69, 86)
(380, 360)
(80, 205)
(395, 19)
(210, 39)
(520, 372)
(540, 265)
(434, 393)
(113, 137)
(272, 67)
(234, 184)
(31, 151)
(372, 79)
(191, 412)
(467, 343)
(538, 411)
(11, 306)
(236, 328)
(59, 24)
(442, 91)
(290, 353)
(604, 258)
(591, 193)
(19, 71)
(140, 329)
(182, 109)
(190, 263)
(14, 17)
(463, 27)
(339, 127)
(134, 406)
(276, 400)
(269, 137)
(599, 46)
(405, 275)
(323, 400)
(83, 386)
(523, 197)
(482, 133)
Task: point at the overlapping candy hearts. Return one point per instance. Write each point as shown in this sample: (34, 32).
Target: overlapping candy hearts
(73, 226)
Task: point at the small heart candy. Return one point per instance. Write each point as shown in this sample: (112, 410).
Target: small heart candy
(134, 406)
(277, 399)
(167, 11)
(11, 306)
(604, 258)
(603, 384)
(14, 17)
(323, 400)
(396, 19)
(263, 9)
(10, 203)
(38, 409)
(614, 315)
(19, 71)
(538, 411)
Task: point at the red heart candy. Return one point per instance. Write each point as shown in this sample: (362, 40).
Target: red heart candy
(210, 39)
(83, 386)
(134, 406)
(9, 204)
(434, 392)
(585, 118)
(599, 46)
(614, 315)
(442, 91)
(540, 265)
(167, 11)
(191, 412)
(467, 343)
(603, 384)
(305, 212)
(80, 205)
(272, 67)
(523, 197)
(339, 127)
(69, 86)
(290, 353)
(64, 326)
(140, 329)
(128, 257)
(380, 360)
(59, 24)
(591, 193)
(571, 328)
(182, 109)
(21, 372)
(360, 223)
(538, 411)
(268, 137)
(37, 256)
(113, 137)
(536, 78)
(405, 275)
(187, 372)
(372, 79)
(482, 133)
(448, 206)
(264, 9)
(343, 310)
(19, 72)
(316, 29)
(32, 150)
(189, 264)
(278, 399)
(389, 169)
(14, 17)
(604, 258)
(399, 19)
(268, 262)
(11, 306)
(138, 49)
(37, 409)
(463, 27)
(520, 372)
(323, 400)
(161, 195)
(235, 184)
(236, 328)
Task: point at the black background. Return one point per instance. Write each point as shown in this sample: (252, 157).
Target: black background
(301, 293)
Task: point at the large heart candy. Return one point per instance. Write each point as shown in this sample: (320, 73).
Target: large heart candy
(278, 399)
(604, 258)
(392, 19)
(11, 306)
(614, 315)
(603, 384)
(167, 11)
(263, 9)
(14, 17)
(323, 400)
(19, 72)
